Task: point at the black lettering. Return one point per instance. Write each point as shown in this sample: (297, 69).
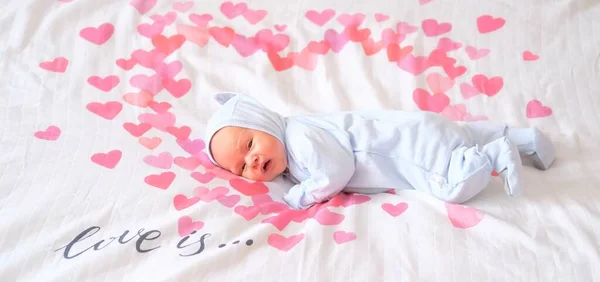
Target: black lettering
(125, 234)
(200, 248)
(145, 236)
(82, 236)
(97, 245)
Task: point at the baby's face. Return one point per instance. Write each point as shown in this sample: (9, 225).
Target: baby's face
(252, 154)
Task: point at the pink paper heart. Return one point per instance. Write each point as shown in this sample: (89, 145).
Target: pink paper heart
(148, 59)
(326, 217)
(51, 133)
(280, 27)
(455, 112)
(272, 207)
(248, 213)
(281, 220)
(98, 35)
(143, 6)
(270, 42)
(231, 11)
(177, 88)
(535, 109)
(529, 56)
(108, 160)
(150, 83)
(336, 40)
(468, 90)
(341, 237)
(135, 129)
(183, 7)
(150, 30)
(432, 27)
(439, 83)
(254, 16)
(108, 110)
(488, 23)
(320, 18)
(163, 160)
(389, 36)
(160, 121)
(161, 107)
(379, 17)
(405, 28)
(169, 70)
(454, 71)
(198, 35)
(201, 20)
(189, 163)
(395, 210)
(414, 65)
(488, 86)
(126, 64)
(104, 83)
(447, 45)
(248, 188)
(203, 177)
(462, 216)
(185, 226)
(192, 146)
(475, 53)
(161, 181)
(283, 243)
(167, 19)
(181, 202)
(348, 20)
(229, 201)
(57, 65)
(261, 199)
(208, 195)
(245, 46)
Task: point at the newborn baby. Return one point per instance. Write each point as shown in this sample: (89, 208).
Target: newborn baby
(369, 151)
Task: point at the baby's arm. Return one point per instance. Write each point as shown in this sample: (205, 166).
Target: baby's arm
(328, 161)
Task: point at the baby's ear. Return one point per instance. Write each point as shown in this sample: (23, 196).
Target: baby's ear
(222, 98)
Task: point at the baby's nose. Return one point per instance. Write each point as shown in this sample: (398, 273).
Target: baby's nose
(252, 160)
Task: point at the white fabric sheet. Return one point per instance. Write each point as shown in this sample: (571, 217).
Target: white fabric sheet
(542, 68)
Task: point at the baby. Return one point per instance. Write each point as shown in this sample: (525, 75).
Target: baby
(369, 151)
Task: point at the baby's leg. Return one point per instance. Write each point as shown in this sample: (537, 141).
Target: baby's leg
(532, 142)
(529, 141)
(483, 132)
(469, 171)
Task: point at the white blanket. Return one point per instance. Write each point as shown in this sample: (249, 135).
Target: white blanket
(103, 175)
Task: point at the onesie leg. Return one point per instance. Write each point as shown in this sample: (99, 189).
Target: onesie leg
(483, 132)
(505, 159)
(529, 141)
(469, 172)
(533, 142)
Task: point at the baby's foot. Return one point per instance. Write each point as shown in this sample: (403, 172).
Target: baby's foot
(543, 155)
(535, 144)
(505, 158)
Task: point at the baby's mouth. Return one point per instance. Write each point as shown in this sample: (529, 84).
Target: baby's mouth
(266, 165)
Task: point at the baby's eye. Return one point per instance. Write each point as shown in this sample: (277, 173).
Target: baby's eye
(250, 144)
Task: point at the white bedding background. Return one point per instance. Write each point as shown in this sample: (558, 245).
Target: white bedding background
(103, 175)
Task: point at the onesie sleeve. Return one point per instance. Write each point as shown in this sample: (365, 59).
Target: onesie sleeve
(329, 162)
